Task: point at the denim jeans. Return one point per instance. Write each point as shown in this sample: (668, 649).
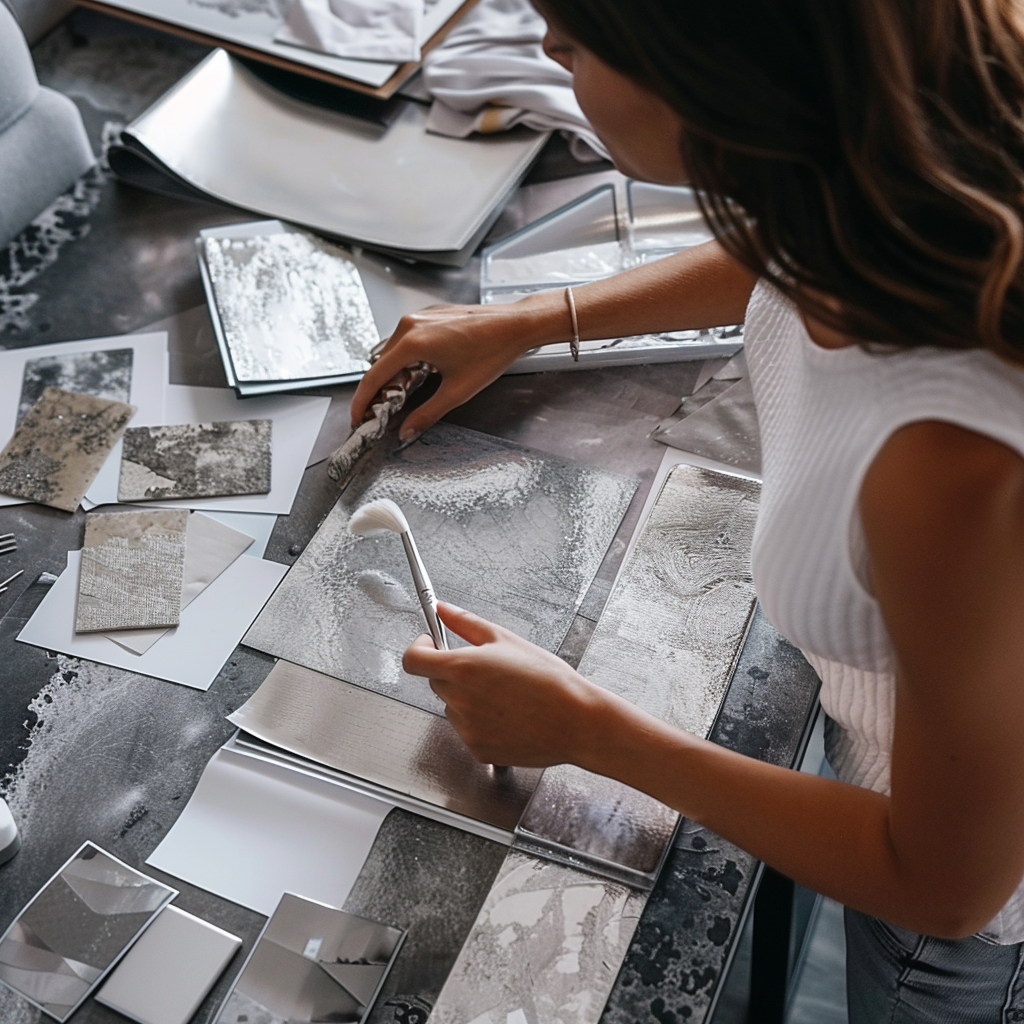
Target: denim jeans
(895, 976)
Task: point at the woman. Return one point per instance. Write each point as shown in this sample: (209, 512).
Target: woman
(862, 165)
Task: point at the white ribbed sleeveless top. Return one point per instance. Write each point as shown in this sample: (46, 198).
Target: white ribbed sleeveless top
(824, 415)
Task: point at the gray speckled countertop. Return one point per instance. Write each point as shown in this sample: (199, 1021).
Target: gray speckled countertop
(89, 752)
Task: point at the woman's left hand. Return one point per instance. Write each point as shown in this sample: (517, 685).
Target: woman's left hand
(510, 701)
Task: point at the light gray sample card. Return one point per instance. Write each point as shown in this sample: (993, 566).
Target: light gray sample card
(59, 447)
(169, 971)
(133, 566)
(506, 531)
(195, 460)
(291, 306)
(312, 963)
(106, 374)
(76, 927)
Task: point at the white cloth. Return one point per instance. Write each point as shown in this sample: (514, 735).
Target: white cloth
(491, 73)
(386, 30)
(824, 416)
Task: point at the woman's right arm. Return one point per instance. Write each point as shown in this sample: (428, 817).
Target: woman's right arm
(470, 346)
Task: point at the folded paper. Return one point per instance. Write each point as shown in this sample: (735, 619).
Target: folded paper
(362, 29)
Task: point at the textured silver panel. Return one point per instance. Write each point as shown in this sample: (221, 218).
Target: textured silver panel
(545, 948)
(394, 745)
(292, 306)
(195, 460)
(133, 566)
(59, 447)
(510, 533)
(666, 642)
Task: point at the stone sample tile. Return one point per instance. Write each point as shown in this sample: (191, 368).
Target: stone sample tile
(60, 446)
(106, 374)
(545, 948)
(133, 565)
(196, 460)
(510, 533)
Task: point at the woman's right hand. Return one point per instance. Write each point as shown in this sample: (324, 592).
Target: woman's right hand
(470, 346)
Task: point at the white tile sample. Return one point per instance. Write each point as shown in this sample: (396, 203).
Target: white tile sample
(210, 547)
(508, 532)
(170, 970)
(132, 568)
(195, 460)
(192, 653)
(60, 446)
(296, 423)
(148, 384)
(253, 830)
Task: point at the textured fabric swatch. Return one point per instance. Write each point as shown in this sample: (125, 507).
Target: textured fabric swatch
(133, 565)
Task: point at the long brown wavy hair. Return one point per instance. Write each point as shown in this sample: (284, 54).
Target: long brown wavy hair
(867, 156)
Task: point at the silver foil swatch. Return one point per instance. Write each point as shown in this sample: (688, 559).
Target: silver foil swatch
(59, 447)
(133, 566)
(545, 949)
(312, 963)
(104, 374)
(508, 532)
(382, 741)
(292, 307)
(195, 460)
(63, 943)
(667, 642)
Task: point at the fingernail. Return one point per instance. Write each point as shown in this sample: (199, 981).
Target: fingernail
(408, 437)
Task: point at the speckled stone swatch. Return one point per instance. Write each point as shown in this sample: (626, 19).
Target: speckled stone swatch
(195, 460)
(292, 307)
(506, 531)
(106, 374)
(60, 446)
(133, 566)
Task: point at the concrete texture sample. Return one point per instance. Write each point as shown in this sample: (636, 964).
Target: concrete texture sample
(196, 460)
(133, 566)
(60, 446)
(106, 374)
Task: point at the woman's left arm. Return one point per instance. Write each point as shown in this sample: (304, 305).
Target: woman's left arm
(943, 514)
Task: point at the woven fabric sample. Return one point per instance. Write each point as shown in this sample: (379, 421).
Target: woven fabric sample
(133, 565)
(60, 446)
(195, 460)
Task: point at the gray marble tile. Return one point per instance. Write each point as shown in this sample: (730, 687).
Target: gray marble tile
(508, 532)
(60, 446)
(104, 374)
(545, 948)
(383, 741)
(195, 460)
(292, 306)
(133, 566)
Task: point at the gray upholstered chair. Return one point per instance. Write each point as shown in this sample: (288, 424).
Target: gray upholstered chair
(43, 145)
(37, 17)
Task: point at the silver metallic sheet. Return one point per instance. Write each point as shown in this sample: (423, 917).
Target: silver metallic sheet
(510, 533)
(382, 741)
(104, 374)
(545, 948)
(401, 189)
(133, 567)
(292, 307)
(312, 964)
(195, 460)
(61, 945)
(60, 446)
(667, 642)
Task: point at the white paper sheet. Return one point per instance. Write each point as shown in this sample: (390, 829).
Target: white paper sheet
(297, 422)
(253, 524)
(253, 831)
(210, 547)
(192, 653)
(148, 388)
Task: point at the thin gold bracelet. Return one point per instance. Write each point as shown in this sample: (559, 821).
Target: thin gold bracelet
(574, 345)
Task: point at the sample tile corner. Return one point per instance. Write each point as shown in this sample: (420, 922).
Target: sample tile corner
(132, 569)
(60, 446)
(75, 929)
(195, 460)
